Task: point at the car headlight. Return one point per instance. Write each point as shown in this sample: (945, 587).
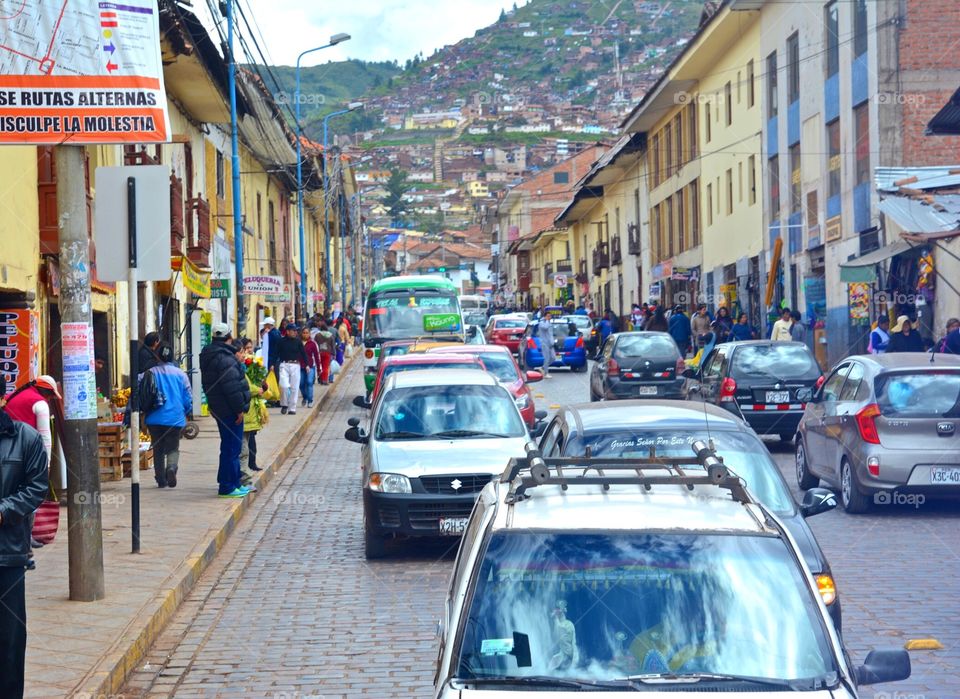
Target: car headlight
(827, 589)
(522, 401)
(389, 483)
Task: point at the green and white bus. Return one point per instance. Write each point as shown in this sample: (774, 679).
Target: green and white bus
(405, 307)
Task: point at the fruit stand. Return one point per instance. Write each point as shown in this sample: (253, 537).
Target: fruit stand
(113, 442)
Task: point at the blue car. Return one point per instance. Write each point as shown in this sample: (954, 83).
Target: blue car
(570, 345)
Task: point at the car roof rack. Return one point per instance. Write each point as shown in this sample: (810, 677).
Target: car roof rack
(535, 470)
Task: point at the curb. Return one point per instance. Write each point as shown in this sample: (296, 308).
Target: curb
(107, 681)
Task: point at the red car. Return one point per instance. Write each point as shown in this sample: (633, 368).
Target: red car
(506, 331)
(416, 362)
(498, 360)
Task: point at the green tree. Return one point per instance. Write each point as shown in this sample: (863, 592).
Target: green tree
(431, 224)
(397, 187)
(503, 16)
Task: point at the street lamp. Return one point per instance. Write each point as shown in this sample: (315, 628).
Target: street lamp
(352, 107)
(334, 40)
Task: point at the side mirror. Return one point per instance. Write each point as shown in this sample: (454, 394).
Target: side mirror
(472, 331)
(890, 665)
(816, 501)
(361, 402)
(533, 376)
(354, 434)
(538, 430)
(541, 414)
(354, 422)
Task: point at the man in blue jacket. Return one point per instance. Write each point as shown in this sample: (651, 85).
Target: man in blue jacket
(679, 329)
(168, 417)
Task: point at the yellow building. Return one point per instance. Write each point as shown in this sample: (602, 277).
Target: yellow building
(702, 123)
(478, 189)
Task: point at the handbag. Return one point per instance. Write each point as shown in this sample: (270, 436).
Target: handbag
(348, 351)
(273, 388)
(334, 367)
(46, 520)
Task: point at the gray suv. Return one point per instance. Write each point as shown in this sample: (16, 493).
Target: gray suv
(884, 429)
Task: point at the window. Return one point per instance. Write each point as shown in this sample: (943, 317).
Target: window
(259, 217)
(752, 178)
(832, 23)
(616, 223)
(678, 135)
(796, 201)
(221, 177)
(861, 125)
(740, 181)
(728, 102)
(729, 192)
(694, 196)
(772, 85)
(671, 203)
(636, 209)
(706, 121)
(751, 93)
(852, 384)
(691, 132)
(681, 217)
(709, 204)
(833, 158)
(813, 212)
(859, 27)
(655, 230)
(657, 175)
(739, 88)
(561, 177)
(793, 68)
(668, 147)
(773, 169)
(272, 239)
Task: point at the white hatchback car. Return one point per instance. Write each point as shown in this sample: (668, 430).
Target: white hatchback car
(435, 438)
(637, 575)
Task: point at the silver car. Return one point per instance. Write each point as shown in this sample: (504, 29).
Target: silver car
(884, 429)
(435, 439)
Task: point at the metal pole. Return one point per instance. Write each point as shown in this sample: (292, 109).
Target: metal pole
(84, 524)
(357, 233)
(235, 160)
(328, 294)
(134, 367)
(342, 201)
(303, 255)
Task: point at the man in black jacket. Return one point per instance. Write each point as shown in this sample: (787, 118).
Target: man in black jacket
(23, 485)
(228, 397)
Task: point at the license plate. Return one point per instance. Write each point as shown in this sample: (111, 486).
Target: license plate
(945, 475)
(646, 390)
(778, 397)
(453, 526)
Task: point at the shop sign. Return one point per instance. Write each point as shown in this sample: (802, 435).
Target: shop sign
(283, 297)
(685, 274)
(19, 346)
(261, 284)
(219, 288)
(655, 290)
(194, 280)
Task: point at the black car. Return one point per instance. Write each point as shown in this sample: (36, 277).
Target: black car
(766, 383)
(638, 365)
(637, 429)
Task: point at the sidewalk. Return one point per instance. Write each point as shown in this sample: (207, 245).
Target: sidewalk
(86, 649)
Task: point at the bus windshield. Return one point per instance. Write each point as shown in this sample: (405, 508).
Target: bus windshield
(398, 314)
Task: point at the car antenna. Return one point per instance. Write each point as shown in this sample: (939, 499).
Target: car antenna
(703, 402)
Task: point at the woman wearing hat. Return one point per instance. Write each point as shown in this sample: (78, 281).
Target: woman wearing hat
(903, 338)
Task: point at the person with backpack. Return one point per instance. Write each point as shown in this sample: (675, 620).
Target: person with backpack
(165, 401)
(228, 397)
(326, 343)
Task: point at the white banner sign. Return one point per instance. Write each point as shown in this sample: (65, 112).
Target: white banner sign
(262, 285)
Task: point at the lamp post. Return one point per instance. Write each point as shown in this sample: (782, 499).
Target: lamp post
(352, 107)
(334, 40)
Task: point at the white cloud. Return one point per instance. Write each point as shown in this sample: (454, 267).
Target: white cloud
(382, 30)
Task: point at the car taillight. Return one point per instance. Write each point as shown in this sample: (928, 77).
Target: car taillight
(827, 589)
(727, 389)
(579, 342)
(867, 425)
(613, 367)
(368, 354)
(681, 366)
(531, 344)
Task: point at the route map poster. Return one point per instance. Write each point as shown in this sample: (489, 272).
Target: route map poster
(76, 71)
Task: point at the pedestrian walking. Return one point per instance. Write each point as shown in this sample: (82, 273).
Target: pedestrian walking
(308, 371)
(781, 328)
(798, 331)
(24, 480)
(658, 323)
(904, 338)
(343, 335)
(724, 324)
(700, 325)
(545, 333)
(679, 328)
(147, 354)
(165, 410)
(327, 346)
(228, 397)
(950, 343)
(880, 336)
(257, 416)
(741, 330)
(291, 358)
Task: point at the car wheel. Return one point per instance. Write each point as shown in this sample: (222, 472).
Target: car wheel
(805, 479)
(854, 501)
(374, 545)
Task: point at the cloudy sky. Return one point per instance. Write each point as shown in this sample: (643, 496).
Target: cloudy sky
(382, 30)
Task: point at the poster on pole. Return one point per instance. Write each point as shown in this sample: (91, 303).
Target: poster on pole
(81, 72)
(79, 372)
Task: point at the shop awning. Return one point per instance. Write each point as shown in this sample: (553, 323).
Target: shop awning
(863, 268)
(932, 214)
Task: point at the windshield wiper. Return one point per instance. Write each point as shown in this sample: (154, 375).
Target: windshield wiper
(467, 433)
(696, 677)
(547, 681)
(402, 435)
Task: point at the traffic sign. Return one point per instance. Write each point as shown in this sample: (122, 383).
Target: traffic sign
(560, 280)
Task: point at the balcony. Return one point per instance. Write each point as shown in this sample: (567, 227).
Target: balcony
(633, 239)
(523, 282)
(198, 248)
(601, 258)
(564, 267)
(177, 219)
(616, 256)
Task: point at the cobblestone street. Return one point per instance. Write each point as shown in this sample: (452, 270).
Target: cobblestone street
(291, 609)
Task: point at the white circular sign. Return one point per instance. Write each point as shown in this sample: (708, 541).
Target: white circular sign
(560, 280)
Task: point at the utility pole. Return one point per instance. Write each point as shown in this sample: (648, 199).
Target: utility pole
(357, 242)
(235, 166)
(84, 524)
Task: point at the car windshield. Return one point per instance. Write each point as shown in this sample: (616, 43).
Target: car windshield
(474, 319)
(420, 366)
(438, 412)
(561, 329)
(653, 347)
(501, 366)
(778, 361)
(929, 394)
(603, 606)
(582, 322)
(742, 453)
(511, 324)
(399, 314)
